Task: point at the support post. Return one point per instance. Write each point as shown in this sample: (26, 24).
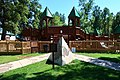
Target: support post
(53, 48)
(53, 65)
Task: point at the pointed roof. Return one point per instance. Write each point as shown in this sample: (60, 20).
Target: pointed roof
(74, 13)
(46, 13)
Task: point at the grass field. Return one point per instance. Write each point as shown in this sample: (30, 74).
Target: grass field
(9, 58)
(77, 70)
(104, 56)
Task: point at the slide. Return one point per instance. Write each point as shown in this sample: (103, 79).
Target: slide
(103, 45)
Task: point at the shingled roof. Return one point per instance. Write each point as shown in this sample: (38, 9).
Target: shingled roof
(46, 13)
(74, 13)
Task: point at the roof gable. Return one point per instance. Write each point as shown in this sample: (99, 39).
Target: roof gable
(74, 13)
(46, 13)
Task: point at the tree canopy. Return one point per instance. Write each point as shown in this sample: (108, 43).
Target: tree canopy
(17, 14)
(97, 21)
(59, 19)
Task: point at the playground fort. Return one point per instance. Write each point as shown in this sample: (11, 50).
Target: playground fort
(73, 35)
(72, 32)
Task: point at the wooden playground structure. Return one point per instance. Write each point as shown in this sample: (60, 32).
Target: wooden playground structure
(73, 34)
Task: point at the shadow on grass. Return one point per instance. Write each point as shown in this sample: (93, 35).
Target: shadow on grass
(117, 60)
(10, 53)
(75, 71)
(15, 77)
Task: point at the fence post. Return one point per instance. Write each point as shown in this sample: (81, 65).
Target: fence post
(39, 46)
(96, 44)
(70, 44)
(7, 43)
(22, 47)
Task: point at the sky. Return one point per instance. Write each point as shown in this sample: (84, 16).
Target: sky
(65, 6)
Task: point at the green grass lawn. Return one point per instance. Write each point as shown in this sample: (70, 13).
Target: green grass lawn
(9, 58)
(104, 56)
(77, 70)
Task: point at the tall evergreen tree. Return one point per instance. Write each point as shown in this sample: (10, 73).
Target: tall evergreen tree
(93, 19)
(105, 15)
(34, 14)
(13, 14)
(59, 19)
(16, 14)
(97, 20)
(85, 13)
(116, 22)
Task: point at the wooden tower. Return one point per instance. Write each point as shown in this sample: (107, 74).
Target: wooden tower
(47, 17)
(74, 17)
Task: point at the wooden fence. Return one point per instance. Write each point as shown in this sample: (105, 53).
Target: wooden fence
(14, 47)
(40, 46)
(95, 45)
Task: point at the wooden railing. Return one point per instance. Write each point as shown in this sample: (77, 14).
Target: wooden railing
(14, 47)
(95, 45)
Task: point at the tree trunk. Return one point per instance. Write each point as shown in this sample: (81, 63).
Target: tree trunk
(3, 33)
(3, 23)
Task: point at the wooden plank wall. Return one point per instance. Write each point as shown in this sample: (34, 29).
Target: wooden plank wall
(14, 47)
(95, 45)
